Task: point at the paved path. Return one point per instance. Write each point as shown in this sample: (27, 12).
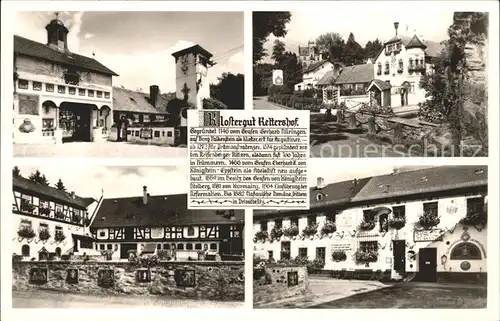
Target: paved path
(261, 103)
(323, 290)
(98, 149)
(46, 299)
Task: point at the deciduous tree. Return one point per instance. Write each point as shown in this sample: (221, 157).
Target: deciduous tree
(264, 24)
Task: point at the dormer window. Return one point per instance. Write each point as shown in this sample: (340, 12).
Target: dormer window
(319, 197)
(478, 171)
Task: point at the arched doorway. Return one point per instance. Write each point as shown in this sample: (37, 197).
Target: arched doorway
(49, 117)
(75, 121)
(58, 251)
(405, 88)
(105, 118)
(25, 250)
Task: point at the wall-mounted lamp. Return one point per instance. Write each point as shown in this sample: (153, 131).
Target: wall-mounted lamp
(444, 259)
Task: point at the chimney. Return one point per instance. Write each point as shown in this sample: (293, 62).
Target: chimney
(145, 195)
(396, 25)
(154, 92)
(320, 183)
(355, 182)
(387, 188)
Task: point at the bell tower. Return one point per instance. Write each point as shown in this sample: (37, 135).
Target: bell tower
(57, 34)
(191, 68)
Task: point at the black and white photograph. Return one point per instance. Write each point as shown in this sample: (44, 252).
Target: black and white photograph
(117, 237)
(377, 237)
(118, 84)
(378, 84)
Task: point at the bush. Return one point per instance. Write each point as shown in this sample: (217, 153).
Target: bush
(339, 256)
(297, 102)
(375, 109)
(211, 103)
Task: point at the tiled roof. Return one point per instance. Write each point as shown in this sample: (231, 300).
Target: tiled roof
(327, 79)
(426, 180)
(28, 186)
(355, 74)
(138, 102)
(382, 85)
(193, 49)
(314, 66)
(27, 47)
(162, 210)
(334, 194)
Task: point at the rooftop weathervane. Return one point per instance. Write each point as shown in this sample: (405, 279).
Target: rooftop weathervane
(57, 15)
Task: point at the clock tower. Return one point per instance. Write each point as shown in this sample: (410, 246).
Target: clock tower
(191, 67)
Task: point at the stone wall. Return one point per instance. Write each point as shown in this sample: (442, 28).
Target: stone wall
(277, 283)
(210, 280)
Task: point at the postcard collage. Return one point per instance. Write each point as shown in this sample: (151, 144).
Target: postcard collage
(244, 157)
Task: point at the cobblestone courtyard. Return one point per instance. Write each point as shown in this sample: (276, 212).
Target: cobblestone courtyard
(98, 149)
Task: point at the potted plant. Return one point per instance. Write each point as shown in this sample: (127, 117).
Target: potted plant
(328, 228)
(366, 256)
(339, 256)
(310, 230)
(44, 235)
(427, 220)
(397, 222)
(276, 233)
(27, 207)
(59, 236)
(26, 232)
(261, 236)
(475, 219)
(367, 225)
(59, 214)
(292, 231)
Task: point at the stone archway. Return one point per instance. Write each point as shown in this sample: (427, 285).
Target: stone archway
(405, 88)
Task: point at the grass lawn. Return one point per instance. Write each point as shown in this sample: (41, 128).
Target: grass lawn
(413, 298)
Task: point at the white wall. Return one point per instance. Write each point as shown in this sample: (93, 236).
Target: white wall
(194, 72)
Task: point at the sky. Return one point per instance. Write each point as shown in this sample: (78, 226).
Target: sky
(115, 181)
(366, 25)
(138, 45)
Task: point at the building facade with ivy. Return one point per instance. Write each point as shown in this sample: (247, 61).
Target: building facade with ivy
(49, 223)
(427, 224)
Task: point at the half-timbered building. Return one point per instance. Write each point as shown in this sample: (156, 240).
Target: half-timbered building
(48, 222)
(162, 224)
(428, 224)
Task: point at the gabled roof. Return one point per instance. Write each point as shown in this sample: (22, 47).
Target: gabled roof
(126, 100)
(381, 85)
(27, 47)
(327, 79)
(161, 210)
(434, 179)
(415, 43)
(355, 74)
(312, 67)
(51, 193)
(193, 49)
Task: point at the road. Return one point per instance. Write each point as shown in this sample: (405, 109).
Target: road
(46, 299)
(261, 103)
(97, 149)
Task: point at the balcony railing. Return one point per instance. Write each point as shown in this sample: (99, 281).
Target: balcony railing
(413, 68)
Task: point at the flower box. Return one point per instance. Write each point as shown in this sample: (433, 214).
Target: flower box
(428, 220)
(339, 256)
(44, 235)
(261, 236)
(87, 221)
(27, 207)
(366, 257)
(59, 215)
(292, 231)
(276, 234)
(310, 230)
(26, 232)
(475, 219)
(328, 228)
(76, 218)
(367, 225)
(397, 222)
(59, 236)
